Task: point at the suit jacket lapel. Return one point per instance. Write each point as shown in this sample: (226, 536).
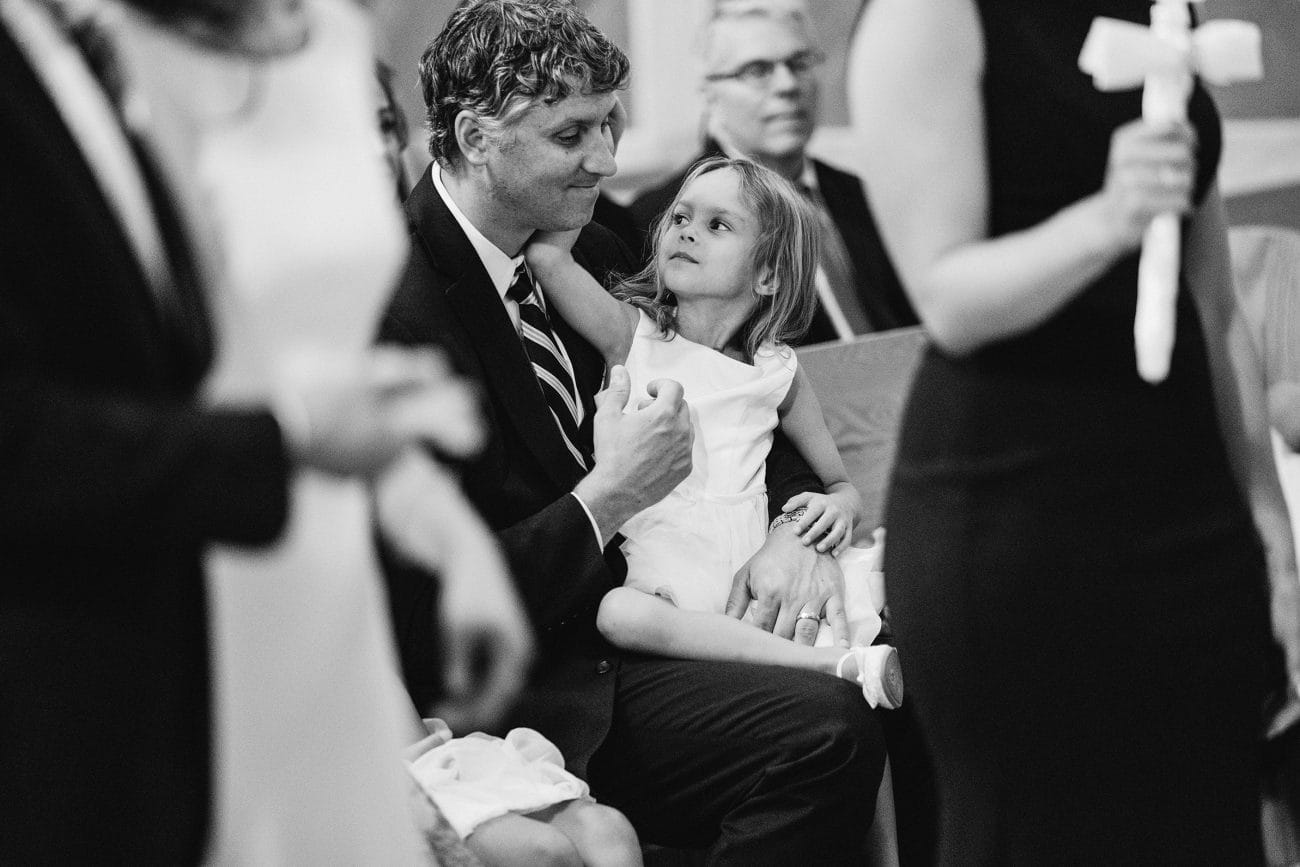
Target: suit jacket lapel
(877, 284)
(507, 372)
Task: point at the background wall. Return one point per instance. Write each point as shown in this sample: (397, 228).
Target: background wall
(1260, 174)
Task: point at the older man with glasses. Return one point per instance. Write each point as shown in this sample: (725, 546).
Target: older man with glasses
(761, 94)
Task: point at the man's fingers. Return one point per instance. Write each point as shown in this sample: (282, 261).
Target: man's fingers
(665, 391)
(613, 397)
(805, 630)
(765, 614)
(739, 598)
(838, 620)
(785, 621)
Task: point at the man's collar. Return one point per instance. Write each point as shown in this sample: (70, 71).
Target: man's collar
(499, 266)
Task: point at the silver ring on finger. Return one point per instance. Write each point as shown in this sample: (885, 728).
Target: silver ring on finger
(808, 614)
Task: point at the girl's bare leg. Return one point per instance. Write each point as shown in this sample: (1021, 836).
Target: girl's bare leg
(513, 840)
(640, 622)
(602, 835)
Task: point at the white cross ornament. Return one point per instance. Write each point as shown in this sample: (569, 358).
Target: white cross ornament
(1121, 55)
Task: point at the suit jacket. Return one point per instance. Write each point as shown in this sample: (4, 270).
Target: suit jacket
(522, 481)
(110, 483)
(881, 292)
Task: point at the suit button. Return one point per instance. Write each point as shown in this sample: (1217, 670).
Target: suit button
(603, 667)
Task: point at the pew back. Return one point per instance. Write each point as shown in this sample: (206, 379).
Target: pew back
(863, 387)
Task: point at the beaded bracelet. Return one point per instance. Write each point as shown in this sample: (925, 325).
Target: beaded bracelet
(787, 517)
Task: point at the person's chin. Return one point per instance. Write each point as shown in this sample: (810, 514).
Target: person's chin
(571, 215)
(787, 138)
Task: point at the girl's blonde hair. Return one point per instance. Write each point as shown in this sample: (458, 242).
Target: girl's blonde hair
(788, 245)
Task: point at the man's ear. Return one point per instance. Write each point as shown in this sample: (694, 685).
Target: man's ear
(767, 283)
(472, 140)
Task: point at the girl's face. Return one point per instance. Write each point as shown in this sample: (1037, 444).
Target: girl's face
(708, 243)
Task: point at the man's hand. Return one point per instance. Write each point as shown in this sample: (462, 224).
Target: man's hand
(640, 455)
(785, 578)
(489, 646)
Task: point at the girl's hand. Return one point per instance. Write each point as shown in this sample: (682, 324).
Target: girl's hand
(1151, 170)
(827, 521)
(546, 250)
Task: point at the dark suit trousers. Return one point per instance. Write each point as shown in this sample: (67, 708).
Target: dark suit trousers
(767, 765)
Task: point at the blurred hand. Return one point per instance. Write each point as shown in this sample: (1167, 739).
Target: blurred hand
(1284, 412)
(785, 577)
(488, 643)
(640, 455)
(438, 734)
(351, 413)
(1285, 609)
(1151, 170)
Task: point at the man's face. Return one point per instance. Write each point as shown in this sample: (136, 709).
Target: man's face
(770, 118)
(545, 171)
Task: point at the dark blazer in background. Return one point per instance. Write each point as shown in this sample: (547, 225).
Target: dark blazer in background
(881, 292)
(111, 482)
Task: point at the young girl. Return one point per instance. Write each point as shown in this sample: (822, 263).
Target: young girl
(731, 280)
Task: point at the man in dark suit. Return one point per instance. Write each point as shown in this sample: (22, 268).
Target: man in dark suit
(767, 765)
(113, 480)
(761, 102)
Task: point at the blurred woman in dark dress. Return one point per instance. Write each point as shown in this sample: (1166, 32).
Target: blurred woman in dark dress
(1075, 562)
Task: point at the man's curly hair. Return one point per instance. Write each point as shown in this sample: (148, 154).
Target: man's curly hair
(496, 58)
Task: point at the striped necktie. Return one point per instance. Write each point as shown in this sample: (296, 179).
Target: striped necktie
(554, 375)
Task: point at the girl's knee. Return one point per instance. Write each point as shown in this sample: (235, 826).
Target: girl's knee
(607, 832)
(621, 616)
(551, 848)
(524, 844)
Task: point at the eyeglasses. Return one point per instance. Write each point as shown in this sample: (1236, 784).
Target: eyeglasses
(758, 73)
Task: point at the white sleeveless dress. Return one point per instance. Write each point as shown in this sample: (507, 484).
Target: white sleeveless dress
(300, 242)
(687, 547)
